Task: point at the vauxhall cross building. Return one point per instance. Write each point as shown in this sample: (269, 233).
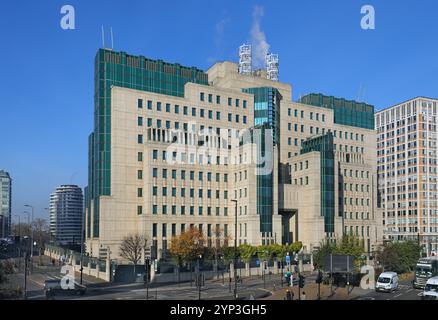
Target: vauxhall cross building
(172, 146)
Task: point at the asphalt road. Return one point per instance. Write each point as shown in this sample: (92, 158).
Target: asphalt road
(404, 292)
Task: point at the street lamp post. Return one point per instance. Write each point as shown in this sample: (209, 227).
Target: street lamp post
(19, 235)
(31, 231)
(235, 248)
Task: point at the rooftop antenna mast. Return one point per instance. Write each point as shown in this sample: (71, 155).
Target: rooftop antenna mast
(272, 63)
(103, 37)
(112, 39)
(245, 59)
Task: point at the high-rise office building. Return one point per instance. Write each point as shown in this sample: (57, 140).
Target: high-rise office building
(5, 203)
(407, 171)
(173, 146)
(66, 214)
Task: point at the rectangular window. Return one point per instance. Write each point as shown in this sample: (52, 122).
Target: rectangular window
(183, 192)
(237, 103)
(230, 102)
(139, 174)
(183, 174)
(177, 109)
(230, 117)
(158, 106)
(210, 98)
(139, 192)
(218, 115)
(201, 113)
(139, 210)
(154, 230)
(183, 210)
(244, 104)
(164, 209)
(194, 112)
(244, 119)
(167, 107)
(149, 122)
(140, 121)
(185, 110)
(149, 105)
(140, 138)
(154, 173)
(174, 210)
(202, 96)
(154, 209)
(155, 154)
(140, 103)
(218, 99)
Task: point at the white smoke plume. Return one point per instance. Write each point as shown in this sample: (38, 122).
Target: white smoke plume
(260, 47)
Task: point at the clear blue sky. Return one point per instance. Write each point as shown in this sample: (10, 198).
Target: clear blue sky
(46, 80)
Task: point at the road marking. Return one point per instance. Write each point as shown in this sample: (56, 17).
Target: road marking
(409, 290)
(399, 295)
(420, 294)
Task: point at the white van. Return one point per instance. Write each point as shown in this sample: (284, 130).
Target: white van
(431, 289)
(387, 281)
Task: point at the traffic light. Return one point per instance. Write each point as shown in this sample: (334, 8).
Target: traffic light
(319, 277)
(301, 281)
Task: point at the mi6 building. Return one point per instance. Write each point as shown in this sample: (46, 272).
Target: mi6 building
(175, 147)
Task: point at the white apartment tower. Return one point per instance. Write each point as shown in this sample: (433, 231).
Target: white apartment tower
(407, 171)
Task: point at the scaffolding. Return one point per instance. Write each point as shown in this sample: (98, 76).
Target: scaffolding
(245, 59)
(272, 62)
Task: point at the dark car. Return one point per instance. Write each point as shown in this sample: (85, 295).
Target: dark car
(53, 288)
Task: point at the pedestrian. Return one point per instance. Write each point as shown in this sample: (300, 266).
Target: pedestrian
(289, 295)
(303, 296)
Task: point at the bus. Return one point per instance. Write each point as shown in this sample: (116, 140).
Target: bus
(425, 269)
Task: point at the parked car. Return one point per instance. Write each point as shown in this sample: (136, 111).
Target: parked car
(387, 281)
(53, 288)
(431, 289)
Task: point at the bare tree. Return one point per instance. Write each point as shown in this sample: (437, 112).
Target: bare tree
(132, 248)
